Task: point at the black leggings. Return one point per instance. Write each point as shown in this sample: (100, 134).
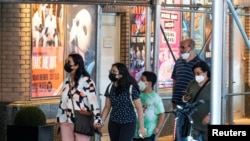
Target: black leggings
(121, 132)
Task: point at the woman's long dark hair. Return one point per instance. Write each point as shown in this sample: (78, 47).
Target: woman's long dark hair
(81, 71)
(126, 80)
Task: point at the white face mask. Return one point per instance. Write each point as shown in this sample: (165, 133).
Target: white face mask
(199, 78)
(185, 56)
(142, 85)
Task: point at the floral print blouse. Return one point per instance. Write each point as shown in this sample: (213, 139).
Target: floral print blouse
(83, 97)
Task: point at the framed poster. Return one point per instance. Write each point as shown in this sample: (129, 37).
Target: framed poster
(47, 49)
(137, 44)
(81, 34)
(54, 36)
(170, 22)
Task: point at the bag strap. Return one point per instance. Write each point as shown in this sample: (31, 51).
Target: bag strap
(110, 86)
(71, 96)
(198, 93)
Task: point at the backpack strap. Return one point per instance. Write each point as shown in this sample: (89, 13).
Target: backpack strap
(110, 86)
(130, 93)
(130, 89)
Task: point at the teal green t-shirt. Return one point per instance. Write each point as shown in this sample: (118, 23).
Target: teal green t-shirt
(152, 107)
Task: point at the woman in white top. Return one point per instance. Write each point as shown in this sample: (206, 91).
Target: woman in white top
(81, 88)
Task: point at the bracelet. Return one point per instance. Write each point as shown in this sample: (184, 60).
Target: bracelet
(100, 121)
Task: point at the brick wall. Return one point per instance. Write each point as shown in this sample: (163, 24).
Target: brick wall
(15, 52)
(125, 37)
(247, 66)
(15, 66)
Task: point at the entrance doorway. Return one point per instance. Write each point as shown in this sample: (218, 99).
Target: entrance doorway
(110, 52)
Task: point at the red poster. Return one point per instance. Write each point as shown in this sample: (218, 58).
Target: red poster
(47, 71)
(170, 22)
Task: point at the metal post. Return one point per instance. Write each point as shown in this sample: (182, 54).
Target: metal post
(229, 99)
(157, 23)
(216, 62)
(169, 47)
(231, 7)
(98, 53)
(148, 47)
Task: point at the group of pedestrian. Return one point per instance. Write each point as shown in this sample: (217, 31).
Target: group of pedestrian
(125, 124)
(191, 76)
(124, 94)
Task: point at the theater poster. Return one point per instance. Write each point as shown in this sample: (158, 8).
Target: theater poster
(137, 41)
(170, 22)
(199, 31)
(81, 34)
(54, 37)
(47, 49)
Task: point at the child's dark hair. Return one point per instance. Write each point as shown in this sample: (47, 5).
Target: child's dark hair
(151, 76)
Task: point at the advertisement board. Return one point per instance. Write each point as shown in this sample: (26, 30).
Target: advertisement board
(54, 36)
(170, 22)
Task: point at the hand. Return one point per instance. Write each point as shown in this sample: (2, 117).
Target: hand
(143, 132)
(206, 119)
(98, 123)
(173, 105)
(186, 98)
(156, 131)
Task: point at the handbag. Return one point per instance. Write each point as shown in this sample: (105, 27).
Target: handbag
(83, 123)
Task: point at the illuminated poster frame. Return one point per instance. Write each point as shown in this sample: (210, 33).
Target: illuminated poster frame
(171, 24)
(54, 36)
(47, 49)
(81, 34)
(137, 41)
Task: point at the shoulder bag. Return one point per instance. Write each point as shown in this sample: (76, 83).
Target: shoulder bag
(83, 123)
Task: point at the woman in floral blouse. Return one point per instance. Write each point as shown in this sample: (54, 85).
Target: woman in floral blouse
(81, 88)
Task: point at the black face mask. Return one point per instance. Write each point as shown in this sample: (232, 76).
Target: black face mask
(112, 77)
(67, 67)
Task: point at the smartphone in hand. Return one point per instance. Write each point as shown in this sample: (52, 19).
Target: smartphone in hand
(186, 96)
